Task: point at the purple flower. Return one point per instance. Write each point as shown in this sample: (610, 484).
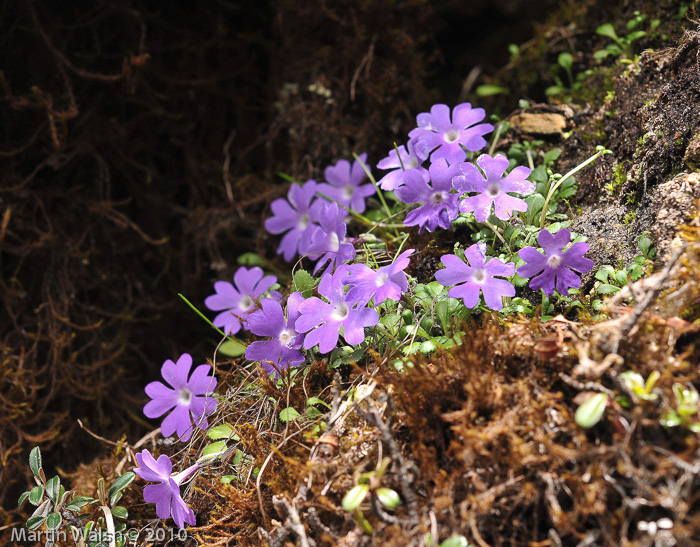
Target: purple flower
(344, 184)
(188, 397)
(386, 282)
(328, 241)
(282, 351)
(327, 318)
(238, 302)
(294, 215)
(477, 276)
(165, 495)
(444, 137)
(400, 162)
(494, 188)
(555, 263)
(439, 203)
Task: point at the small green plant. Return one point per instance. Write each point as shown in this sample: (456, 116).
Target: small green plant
(57, 508)
(566, 62)
(611, 280)
(641, 390)
(622, 46)
(370, 484)
(686, 412)
(591, 411)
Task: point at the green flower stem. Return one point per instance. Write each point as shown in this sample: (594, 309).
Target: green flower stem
(374, 182)
(496, 137)
(233, 338)
(494, 229)
(561, 180)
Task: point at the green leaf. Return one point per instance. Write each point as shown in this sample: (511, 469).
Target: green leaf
(601, 54)
(79, 502)
(36, 494)
(36, 522)
(222, 432)
(636, 35)
(231, 348)
(603, 272)
(591, 412)
(228, 479)
(388, 497)
(289, 414)
(552, 155)
(316, 401)
(251, 259)
(455, 541)
(487, 90)
(354, 498)
(671, 419)
(607, 30)
(566, 60)
(304, 283)
(621, 277)
(644, 244)
(120, 512)
(22, 499)
(605, 288)
(53, 521)
(214, 448)
(428, 346)
(35, 461)
(312, 412)
(53, 487)
(122, 482)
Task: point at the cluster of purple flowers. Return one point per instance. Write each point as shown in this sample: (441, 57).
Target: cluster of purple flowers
(312, 218)
(555, 267)
(450, 185)
(345, 295)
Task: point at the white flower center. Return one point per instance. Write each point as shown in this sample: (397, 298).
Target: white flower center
(452, 135)
(348, 191)
(493, 189)
(303, 221)
(333, 242)
(438, 198)
(287, 337)
(554, 261)
(381, 279)
(184, 397)
(411, 163)
(479, 275)
(245, 303)
(340, 311)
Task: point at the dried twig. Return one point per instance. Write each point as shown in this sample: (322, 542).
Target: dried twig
(402, 467)
(650, 296)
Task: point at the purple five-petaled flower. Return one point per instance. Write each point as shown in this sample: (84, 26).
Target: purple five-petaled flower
(322, 320)
(445, 137)
(400, 160)
(555, 264)
(238, 302)
(294, 215)
(344, 184)
(494, 188)
(189, 397)
(283, 349)
(328, 242)
(387, 282)
(479, 276)
(439, 203)
(165, 495)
